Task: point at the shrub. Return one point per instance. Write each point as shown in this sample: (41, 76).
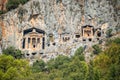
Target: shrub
(1, 12)
(12, 4)
(116, 41)
(16, 53)
(97, 49)
(38, 66)
(13, 69)
(58, 63)
(79, 54)
(109, 33)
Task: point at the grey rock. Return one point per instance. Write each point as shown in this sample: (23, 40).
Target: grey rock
(52, 15)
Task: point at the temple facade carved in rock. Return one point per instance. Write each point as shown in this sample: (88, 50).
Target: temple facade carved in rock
(43, 29)
(37, 43)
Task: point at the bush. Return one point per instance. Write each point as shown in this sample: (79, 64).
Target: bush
(1, 12)
(16, 53)
(116, 41)
(108, 63)
(12, 4)
(13, 69)
(38, 66)
(109, 33)
(58, 63)
(79, 51)
(79, 54)
(97, 49)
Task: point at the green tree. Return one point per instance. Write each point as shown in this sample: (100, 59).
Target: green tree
(97, 49)
(58, 63)
(116, 41)
(108, 63)
(76, 70)
(16, 53)
(13, 69)
(38, 66)
(79, 54)
(104, 66)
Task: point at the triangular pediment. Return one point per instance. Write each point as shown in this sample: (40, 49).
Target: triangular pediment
(33, 30)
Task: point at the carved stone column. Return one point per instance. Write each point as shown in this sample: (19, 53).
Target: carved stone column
(36, 43)
(29, 39)
(26, 42)
(30, 42)
(41, 39)
(83, 32)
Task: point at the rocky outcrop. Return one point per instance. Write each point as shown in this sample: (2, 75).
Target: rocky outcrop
(3, 5)
(58, 17)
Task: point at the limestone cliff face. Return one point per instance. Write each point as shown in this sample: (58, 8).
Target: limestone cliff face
(3, 5)
(57, 17)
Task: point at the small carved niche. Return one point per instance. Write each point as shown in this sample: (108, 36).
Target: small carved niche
(84, 39)
(51, 38)
(54, 43)
(87, 31)
(98, 33)
(28, 54)
(66, 38)
(41, 53)
(77, 36)
(90, 39)
(34, 53)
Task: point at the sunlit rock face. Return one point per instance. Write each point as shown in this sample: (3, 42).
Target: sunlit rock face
(67, 24)
(3, 5)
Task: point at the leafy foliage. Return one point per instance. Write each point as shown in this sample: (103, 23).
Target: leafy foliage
(12, 4)
(65, 68)
(2, 12)
(38, 66)
(108, 63)
(97, 49)
(105, 66)
(16, 53)
(58, 63)
(13, 69)
(109, 33)
(116, 41)
(79, 54)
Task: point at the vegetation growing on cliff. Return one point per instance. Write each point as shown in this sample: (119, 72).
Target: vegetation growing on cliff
(16, 53)
(105, 66)
(12, 4)
(13, 69)
(97, 49)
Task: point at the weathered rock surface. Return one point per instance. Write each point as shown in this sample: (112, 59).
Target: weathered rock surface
(68, 16)
(3, 5)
